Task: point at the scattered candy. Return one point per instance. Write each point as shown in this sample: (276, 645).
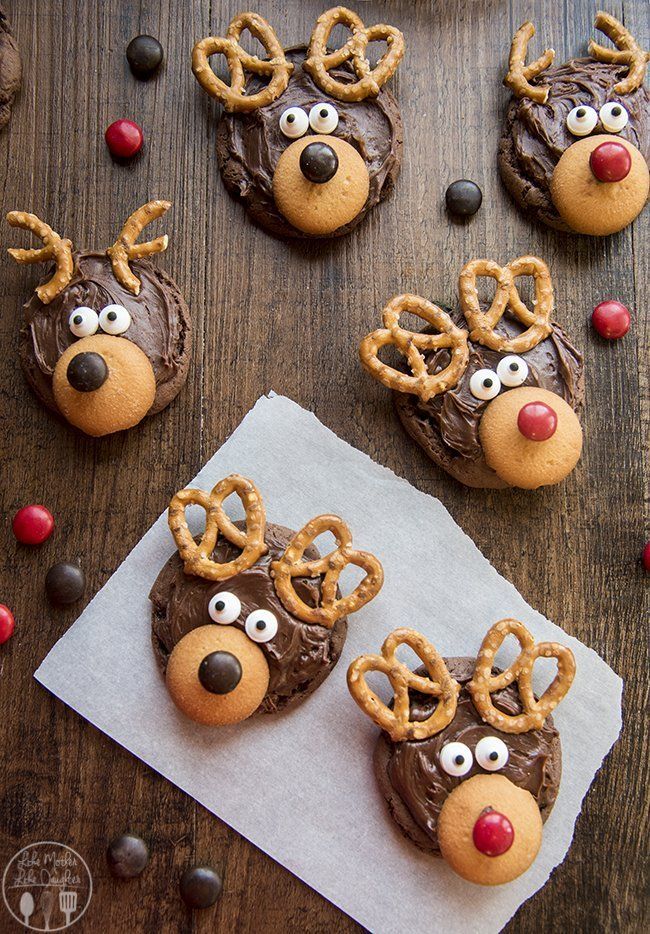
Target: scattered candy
(646, 556)
(7, 623)
(144, 55)
(64, 583)
(200, 887)
(124, 138)
(463, 198)
(32, 525)
(610, 162)
(611, 320)
(127, 856)
(537, 421)
(493, 834)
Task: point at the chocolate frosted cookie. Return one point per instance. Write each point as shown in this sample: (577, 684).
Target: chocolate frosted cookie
(106, 341)
(10, 69)
(468, 760)
(576, 139)
(314, 150)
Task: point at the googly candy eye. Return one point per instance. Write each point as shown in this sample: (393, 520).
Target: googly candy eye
(484, 384)
(456, 759)
(294, 122)
(114, 319)
(613, 117)
(581, 120)
(261, 625)
(512, 370)
(323, 118)
(491, 753)
(224, 608)
(83, 321)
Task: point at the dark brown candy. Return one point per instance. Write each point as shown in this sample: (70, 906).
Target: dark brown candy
(144, 55)
(127, 856)
(64, 583)
(200, 887)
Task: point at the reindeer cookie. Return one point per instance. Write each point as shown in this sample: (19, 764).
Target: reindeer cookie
(106, 339)
(576, 141)
(249, 619)
(494, 407)
(310, 140)
(469, 760)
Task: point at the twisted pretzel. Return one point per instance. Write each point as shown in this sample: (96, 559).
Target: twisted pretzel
(483, 683)
(440, 684)
(519, 73)
(55, 248)
(125, 248)
(291, 565)
(196, 558)
(319, 61)
(411, 344)
(483, 324)
(233, 96)
(629, 52)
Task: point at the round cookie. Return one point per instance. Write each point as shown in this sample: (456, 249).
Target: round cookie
(10, 69)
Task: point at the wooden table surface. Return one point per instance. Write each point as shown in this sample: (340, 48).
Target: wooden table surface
(268, 315)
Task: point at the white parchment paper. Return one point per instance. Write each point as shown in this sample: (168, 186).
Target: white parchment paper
(268, 777)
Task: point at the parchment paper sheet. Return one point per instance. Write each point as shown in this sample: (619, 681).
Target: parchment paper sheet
(300, 785)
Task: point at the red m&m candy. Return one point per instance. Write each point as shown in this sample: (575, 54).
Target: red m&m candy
(611, 320)
(32, 525)
(493, 834)
(646, 556)
(124, 138)
(7, 623)
(537, 421)
(610, 162)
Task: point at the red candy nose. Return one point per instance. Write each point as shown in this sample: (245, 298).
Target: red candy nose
(610, 162)
(493, 834)
(537, 421)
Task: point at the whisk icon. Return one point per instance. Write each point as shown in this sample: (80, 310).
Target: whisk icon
(68, 904)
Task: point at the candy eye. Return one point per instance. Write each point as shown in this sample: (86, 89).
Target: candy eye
(613, 117)
(456, 759)
(581, 120)
(114, 319)
(491, 753)
(484, 384)
(261, 625)
(83, 322)
(294, 122)
(224, 608)
(512, 371)
(323, 118)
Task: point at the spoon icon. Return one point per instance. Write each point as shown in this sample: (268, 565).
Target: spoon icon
(26, 906)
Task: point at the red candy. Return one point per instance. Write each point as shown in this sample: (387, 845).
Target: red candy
(32, 525)
(646, 556)
(537, 421)
(7, 623)
(493, 834)
(610, 162)
(611, 320)
(124, 138)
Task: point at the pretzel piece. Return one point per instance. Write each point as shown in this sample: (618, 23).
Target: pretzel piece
(520, 74)
(319, 61)
(484, 683)
(55, 249)
(483, 324)
(196, 558)
(411, 345)
(629, 52)
(440, 684)
(233, 96)
(291, 565)
(125, 248)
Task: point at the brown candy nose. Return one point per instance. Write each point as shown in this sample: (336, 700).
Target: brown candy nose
(87, 371)
(318, 163)
(220, 672)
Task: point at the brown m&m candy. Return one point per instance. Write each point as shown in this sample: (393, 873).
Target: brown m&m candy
(64, 583)
(200, 886)
(127, 856)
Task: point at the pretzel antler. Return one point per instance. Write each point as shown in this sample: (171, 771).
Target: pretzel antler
(484, 683)
(629, 52)
(483, 324)
(291, 565)
(232, 96)
(411, 344)
(125, 248)
(440, 684)
(196, 558)
(319, 61)
(520, 74)
(55, 248)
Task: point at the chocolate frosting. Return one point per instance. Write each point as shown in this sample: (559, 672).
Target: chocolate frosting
(10, 69)
(413, 767)
(447, 426)
(300, 656)
(535, 135)
(249, 145)
(160, 324)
